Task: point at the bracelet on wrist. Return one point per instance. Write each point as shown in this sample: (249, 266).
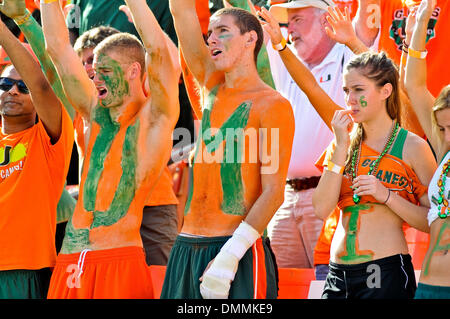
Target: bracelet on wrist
(417, 54)
(22, 19)
(405, 46)
(332, 167)
(280, 46)
(389, 195)
(49, 1)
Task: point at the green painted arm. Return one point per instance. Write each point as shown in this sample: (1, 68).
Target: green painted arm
(262, 63)
(35, 37)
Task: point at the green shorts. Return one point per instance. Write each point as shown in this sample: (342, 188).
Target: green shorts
(24, 284)
(425, 291)
(256, 277)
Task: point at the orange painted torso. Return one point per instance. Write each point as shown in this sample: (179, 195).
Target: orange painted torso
(218, 206)
(114, 186)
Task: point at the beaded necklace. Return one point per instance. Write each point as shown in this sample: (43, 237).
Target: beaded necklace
(374, 165)
(444, 211)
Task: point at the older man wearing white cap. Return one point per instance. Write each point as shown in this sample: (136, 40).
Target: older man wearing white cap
(294, 229)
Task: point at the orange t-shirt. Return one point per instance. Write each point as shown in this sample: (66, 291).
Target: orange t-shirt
(32, 177)
(351, 5)
(393, 20)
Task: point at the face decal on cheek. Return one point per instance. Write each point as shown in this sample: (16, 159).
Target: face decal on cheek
(362, 101)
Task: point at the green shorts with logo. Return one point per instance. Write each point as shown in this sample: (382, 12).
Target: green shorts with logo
(256, 276)
(24, 284)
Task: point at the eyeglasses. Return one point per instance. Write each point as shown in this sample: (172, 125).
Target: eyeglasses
(7, 83)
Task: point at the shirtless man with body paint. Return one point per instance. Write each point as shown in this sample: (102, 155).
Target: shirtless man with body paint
(239, 166)
(128, 144)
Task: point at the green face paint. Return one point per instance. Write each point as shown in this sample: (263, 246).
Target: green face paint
(230, 170)
(362, 101)
(111, 73)
(352, 254)
(441, 245)
(225, 36)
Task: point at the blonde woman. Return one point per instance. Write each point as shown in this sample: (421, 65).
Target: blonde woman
(434, 116)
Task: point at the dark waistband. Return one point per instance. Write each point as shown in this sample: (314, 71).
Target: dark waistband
(301, 184)
(434, 288)
(185, 239)
(391, 260)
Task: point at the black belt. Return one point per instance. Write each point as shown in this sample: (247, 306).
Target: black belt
(301, 184)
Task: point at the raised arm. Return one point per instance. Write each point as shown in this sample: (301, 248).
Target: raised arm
(79, 89)
(367, 21)
(15, 9)
(341, 30)
(416, 73)
(163, 68)
(323, 104)
(46, 104)
(191, 40)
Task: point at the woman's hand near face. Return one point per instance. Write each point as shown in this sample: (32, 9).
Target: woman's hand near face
(341, 124)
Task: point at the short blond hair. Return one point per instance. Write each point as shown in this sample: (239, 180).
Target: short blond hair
(127, 45)
(92, 37)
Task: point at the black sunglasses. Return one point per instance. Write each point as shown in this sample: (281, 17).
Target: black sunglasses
(7, 83)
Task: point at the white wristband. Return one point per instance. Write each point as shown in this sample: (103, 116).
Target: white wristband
(335, 168)
(243, 238)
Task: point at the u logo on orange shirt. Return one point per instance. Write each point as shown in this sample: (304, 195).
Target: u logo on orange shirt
(6, 155)
(12, 154)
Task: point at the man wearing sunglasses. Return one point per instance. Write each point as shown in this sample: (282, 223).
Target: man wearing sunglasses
(36, 141)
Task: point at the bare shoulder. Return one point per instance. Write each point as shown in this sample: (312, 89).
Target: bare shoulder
(418, 154)
(269, 101)
(415, 146)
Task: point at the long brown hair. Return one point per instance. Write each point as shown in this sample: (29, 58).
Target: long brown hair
(382, 70)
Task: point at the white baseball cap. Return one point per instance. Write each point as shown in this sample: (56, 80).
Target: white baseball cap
(280, 11)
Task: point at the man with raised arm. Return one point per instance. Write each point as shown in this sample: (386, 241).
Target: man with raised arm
(239, 166)
(36, 141)
(128, 144)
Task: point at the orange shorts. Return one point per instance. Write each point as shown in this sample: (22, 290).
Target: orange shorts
(118, 273)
